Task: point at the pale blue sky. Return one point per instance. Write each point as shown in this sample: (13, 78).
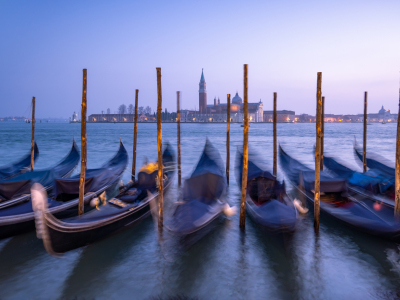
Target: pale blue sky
(44, 45)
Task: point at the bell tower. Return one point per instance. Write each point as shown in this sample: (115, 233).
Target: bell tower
(202, 94)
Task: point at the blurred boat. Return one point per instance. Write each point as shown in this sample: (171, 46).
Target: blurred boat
(339, 202)
(203, 199)
(371, 183)
(16, 190)
(63, 200)
(131, 205)
(375, 161)
(267, 202)
(18, 167)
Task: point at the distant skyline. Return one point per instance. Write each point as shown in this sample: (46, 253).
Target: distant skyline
(45, 46)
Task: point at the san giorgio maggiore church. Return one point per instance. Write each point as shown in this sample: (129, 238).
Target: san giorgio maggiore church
(217, 112)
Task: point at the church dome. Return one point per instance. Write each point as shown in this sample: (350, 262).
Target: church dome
(237, 99)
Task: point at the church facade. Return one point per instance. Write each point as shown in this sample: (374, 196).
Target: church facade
(217, 112)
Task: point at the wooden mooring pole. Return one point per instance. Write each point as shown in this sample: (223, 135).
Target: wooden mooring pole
(317, 193)
(397, 173)
(322, 132)
(365, 134)
(135, 137)
(159, 144)
(275, 166)
(178, 122)
(245, 153)
(83, 145)
(33, 135)
(228, 134)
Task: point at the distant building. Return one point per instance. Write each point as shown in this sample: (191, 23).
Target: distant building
(306, 118)
(17, 119)
(281, 116)
(217, 112)
(120, 118)
(111, 118)
(330, 118)
(237, 100)
(74, 117)
(202, 94)
(142, 118)
(382, 115)
(383, 111)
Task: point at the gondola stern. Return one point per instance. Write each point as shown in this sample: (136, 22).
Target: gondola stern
(39, 205)
(36, 151)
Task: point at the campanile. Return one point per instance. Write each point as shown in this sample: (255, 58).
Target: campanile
(202, 94)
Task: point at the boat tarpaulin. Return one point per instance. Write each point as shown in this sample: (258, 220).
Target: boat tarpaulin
(19, 166)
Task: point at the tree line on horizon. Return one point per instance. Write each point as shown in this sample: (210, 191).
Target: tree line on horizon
(123, 109)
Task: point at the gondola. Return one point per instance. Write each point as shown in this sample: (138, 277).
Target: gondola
(339, 202)
(375, 161)
(19, 166)
(63, 199)
(130, 206)
(16, 190)
(371, 183)
(267, 202)
(203, 197)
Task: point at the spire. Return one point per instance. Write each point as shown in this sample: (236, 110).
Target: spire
(202, 76)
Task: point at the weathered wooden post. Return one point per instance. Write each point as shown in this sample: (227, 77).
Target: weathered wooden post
(83, 146)
(245, 153)
(159, 144)
(317, 194)
(275, 167)
(365, 134)
(178, 122)
(322, 132)
(135, 137)
(228, 134)
(33, 135)
(397, 173)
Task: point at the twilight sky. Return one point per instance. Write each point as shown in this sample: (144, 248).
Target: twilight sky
(44, 45)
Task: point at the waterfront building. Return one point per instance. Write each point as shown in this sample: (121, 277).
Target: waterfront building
(382, 115)
(217, 112)
(282, 116)
(111, 118)
(74, 117)
(306, 118)
(330, 118)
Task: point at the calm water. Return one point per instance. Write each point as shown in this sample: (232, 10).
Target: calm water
(339, 263)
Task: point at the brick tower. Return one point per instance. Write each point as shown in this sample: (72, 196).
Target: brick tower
(202, 95)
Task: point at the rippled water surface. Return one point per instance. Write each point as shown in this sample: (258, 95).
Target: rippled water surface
(339, 263)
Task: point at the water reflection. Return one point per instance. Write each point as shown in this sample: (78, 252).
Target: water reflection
(97, 260)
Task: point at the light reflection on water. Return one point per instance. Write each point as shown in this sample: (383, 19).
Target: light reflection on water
(339, 263)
